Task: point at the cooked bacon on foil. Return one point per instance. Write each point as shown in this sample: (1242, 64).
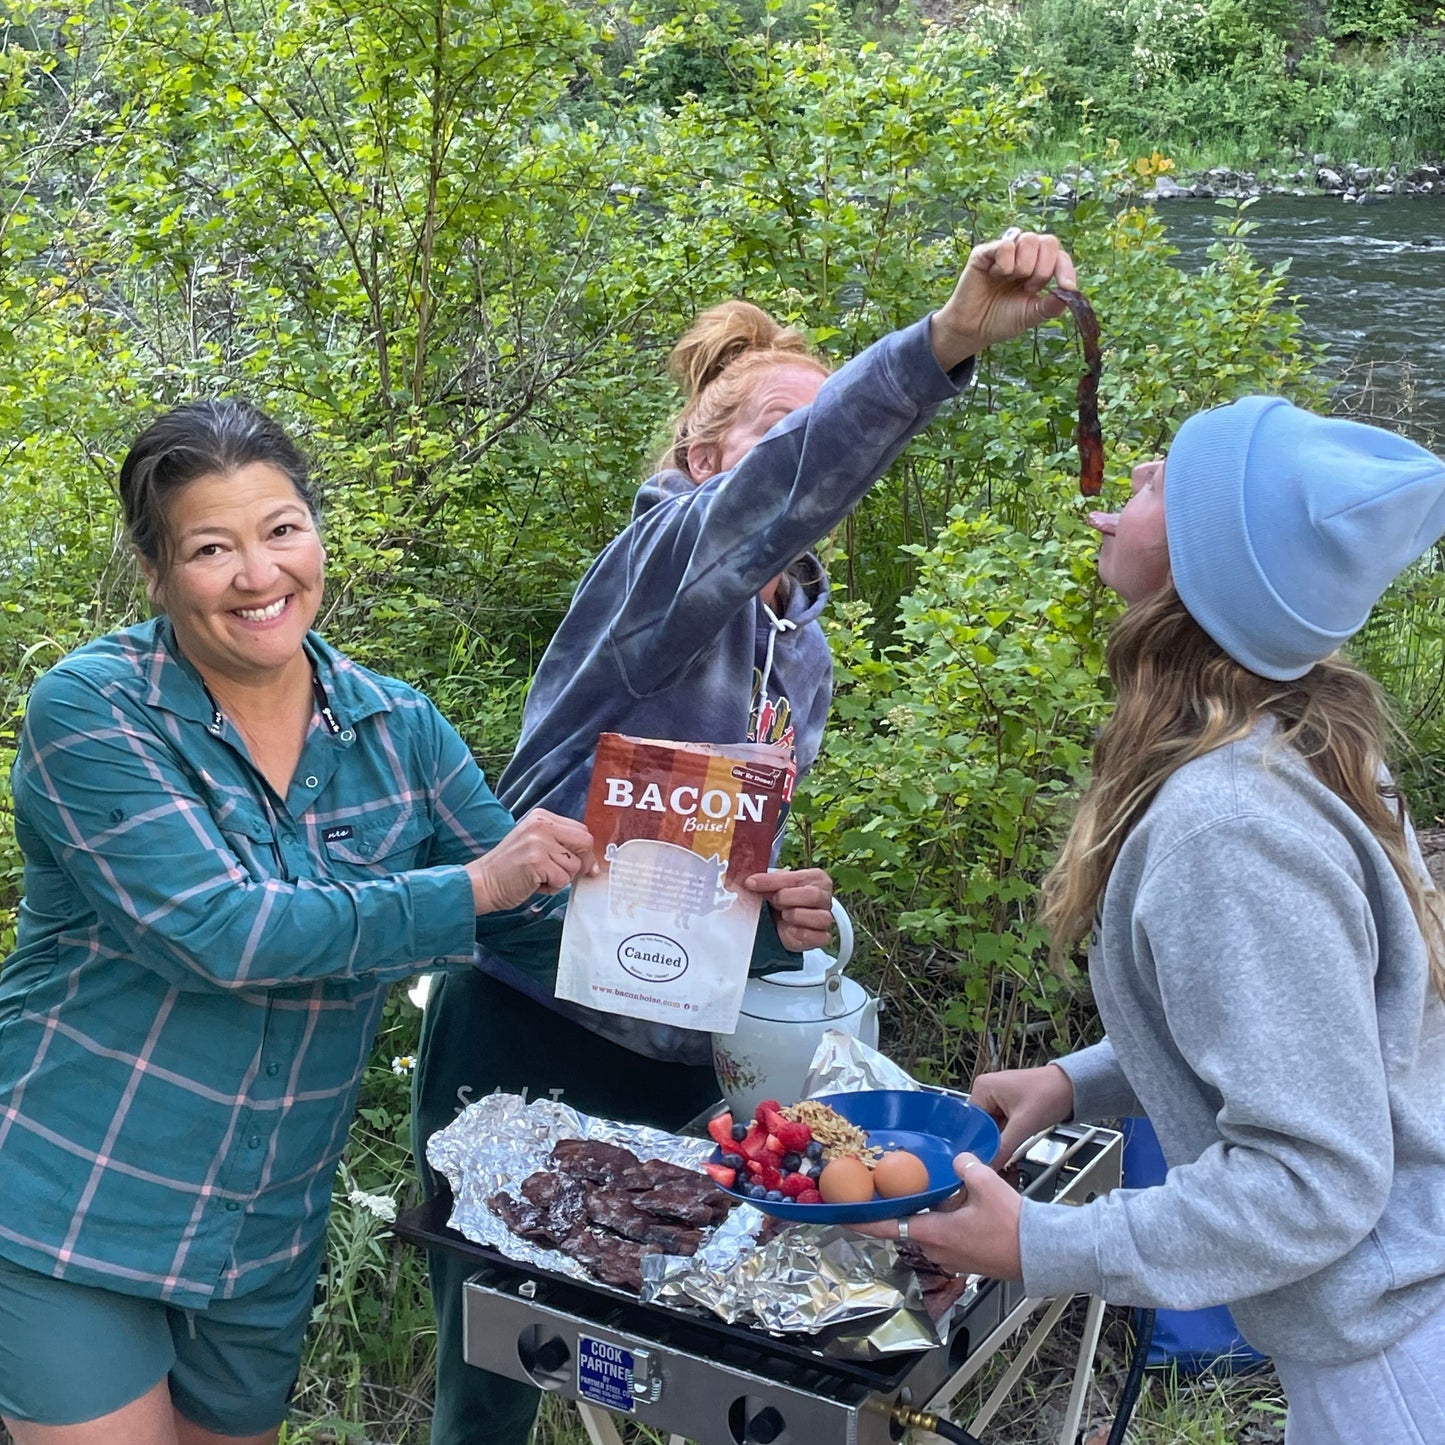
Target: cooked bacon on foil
(602, 1206)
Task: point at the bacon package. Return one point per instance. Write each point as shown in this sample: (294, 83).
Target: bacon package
(665, 930)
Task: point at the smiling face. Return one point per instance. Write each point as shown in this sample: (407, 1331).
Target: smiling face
(1134, 553)
(780, 390)
(245, 577)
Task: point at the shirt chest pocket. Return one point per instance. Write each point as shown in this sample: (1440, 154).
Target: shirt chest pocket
(252, 839)
(377, 843)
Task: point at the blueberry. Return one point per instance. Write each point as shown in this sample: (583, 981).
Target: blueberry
(791, 1163)
(740, 1132)
(813, 1170)
(757, 1191)
(775, 1195)
(733, 1161)
(813, 1151)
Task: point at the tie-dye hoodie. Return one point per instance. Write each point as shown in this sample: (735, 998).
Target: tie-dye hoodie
(666, 637)
(662, 637)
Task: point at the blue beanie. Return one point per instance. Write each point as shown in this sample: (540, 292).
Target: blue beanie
(1285, 527)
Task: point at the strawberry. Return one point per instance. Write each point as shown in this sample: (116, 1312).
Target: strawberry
(720, 1130)
(773, 1157)
(783, 1134)
(769, 1177)
(752, 1145)
(810, 1196)
(795, 1184)
(770, 1115)
(724, 1176)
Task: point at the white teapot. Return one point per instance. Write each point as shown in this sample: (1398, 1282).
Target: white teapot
(783, 1019)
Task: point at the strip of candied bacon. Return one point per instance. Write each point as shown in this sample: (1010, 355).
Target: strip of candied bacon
(1088, 435)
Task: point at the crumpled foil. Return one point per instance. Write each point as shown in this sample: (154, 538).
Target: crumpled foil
(495, 1143)
(814, 1279)
(843, 1065)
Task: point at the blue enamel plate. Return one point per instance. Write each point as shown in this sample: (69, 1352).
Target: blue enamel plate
(933, 1126)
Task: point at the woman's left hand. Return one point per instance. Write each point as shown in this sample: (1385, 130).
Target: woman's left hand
(802, 904)
(978, 1236)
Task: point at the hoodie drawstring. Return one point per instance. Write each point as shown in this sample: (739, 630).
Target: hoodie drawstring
(778, 624)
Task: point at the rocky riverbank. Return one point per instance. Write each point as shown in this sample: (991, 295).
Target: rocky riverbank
(1349, 180)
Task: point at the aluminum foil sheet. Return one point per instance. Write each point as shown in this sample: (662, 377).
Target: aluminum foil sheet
(803, 1279)
(843, 1065)
(808, 1279)
(498, 1141)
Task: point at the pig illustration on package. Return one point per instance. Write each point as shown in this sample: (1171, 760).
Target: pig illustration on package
(665, 878)
(658, 933)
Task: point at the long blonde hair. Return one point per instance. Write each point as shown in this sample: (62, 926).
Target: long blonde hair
(1181, 696)
(717, 364)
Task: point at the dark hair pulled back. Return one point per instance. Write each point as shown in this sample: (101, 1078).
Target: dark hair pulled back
(201, 438)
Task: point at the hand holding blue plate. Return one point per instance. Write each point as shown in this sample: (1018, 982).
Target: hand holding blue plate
(933, 1126)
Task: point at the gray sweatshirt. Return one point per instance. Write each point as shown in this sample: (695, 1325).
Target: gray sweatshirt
(1265, 990)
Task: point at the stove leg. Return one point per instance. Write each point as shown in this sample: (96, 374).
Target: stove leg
(601, 1430)
(1023, 1357)
(598, 1425)
(1083, 1370)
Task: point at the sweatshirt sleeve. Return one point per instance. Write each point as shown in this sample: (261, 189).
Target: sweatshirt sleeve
(696, 559)
(1101, 1090)
(109, 801)
(1263, 952)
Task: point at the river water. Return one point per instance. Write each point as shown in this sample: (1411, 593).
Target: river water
(1371, 286)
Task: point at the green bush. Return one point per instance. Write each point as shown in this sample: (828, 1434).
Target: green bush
(1407, 99)
(1378, 20)
(1242, 80)
(935, 800)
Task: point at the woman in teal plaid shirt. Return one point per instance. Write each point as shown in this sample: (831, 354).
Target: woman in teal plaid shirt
(234, 840)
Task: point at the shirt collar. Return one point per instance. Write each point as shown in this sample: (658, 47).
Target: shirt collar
(173, 684)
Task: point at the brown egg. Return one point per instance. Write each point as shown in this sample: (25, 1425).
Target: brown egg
(846, 1181)
(898, 1173)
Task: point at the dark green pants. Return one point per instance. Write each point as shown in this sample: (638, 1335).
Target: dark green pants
(480, 1036)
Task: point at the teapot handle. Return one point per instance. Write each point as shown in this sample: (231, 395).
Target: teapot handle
(845, 934)
(833, 1006)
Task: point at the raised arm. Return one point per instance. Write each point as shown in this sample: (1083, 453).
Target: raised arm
(696, 558)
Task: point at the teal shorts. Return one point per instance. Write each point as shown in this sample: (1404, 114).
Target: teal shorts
(71, 1353)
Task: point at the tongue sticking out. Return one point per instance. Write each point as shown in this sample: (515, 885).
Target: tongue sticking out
(1105, 522)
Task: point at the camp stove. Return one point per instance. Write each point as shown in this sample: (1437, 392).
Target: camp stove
(701, 1380)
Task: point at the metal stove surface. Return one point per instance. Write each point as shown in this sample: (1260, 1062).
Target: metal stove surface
(702, 1380)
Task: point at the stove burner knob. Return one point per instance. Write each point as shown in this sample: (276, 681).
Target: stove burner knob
(551, 1355)
(766, 1426)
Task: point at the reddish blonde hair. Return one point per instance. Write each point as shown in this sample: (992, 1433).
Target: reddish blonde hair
(717, 364)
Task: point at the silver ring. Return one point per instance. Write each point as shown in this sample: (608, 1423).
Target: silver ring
(903, 1231)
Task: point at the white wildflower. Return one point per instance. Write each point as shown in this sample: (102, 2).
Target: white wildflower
(402, 1065)
(381, 1205)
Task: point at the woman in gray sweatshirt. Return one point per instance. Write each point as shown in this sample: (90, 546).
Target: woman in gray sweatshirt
(1264, 945)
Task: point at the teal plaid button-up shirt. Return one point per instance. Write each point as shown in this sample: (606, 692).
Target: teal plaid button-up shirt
(201, 965)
